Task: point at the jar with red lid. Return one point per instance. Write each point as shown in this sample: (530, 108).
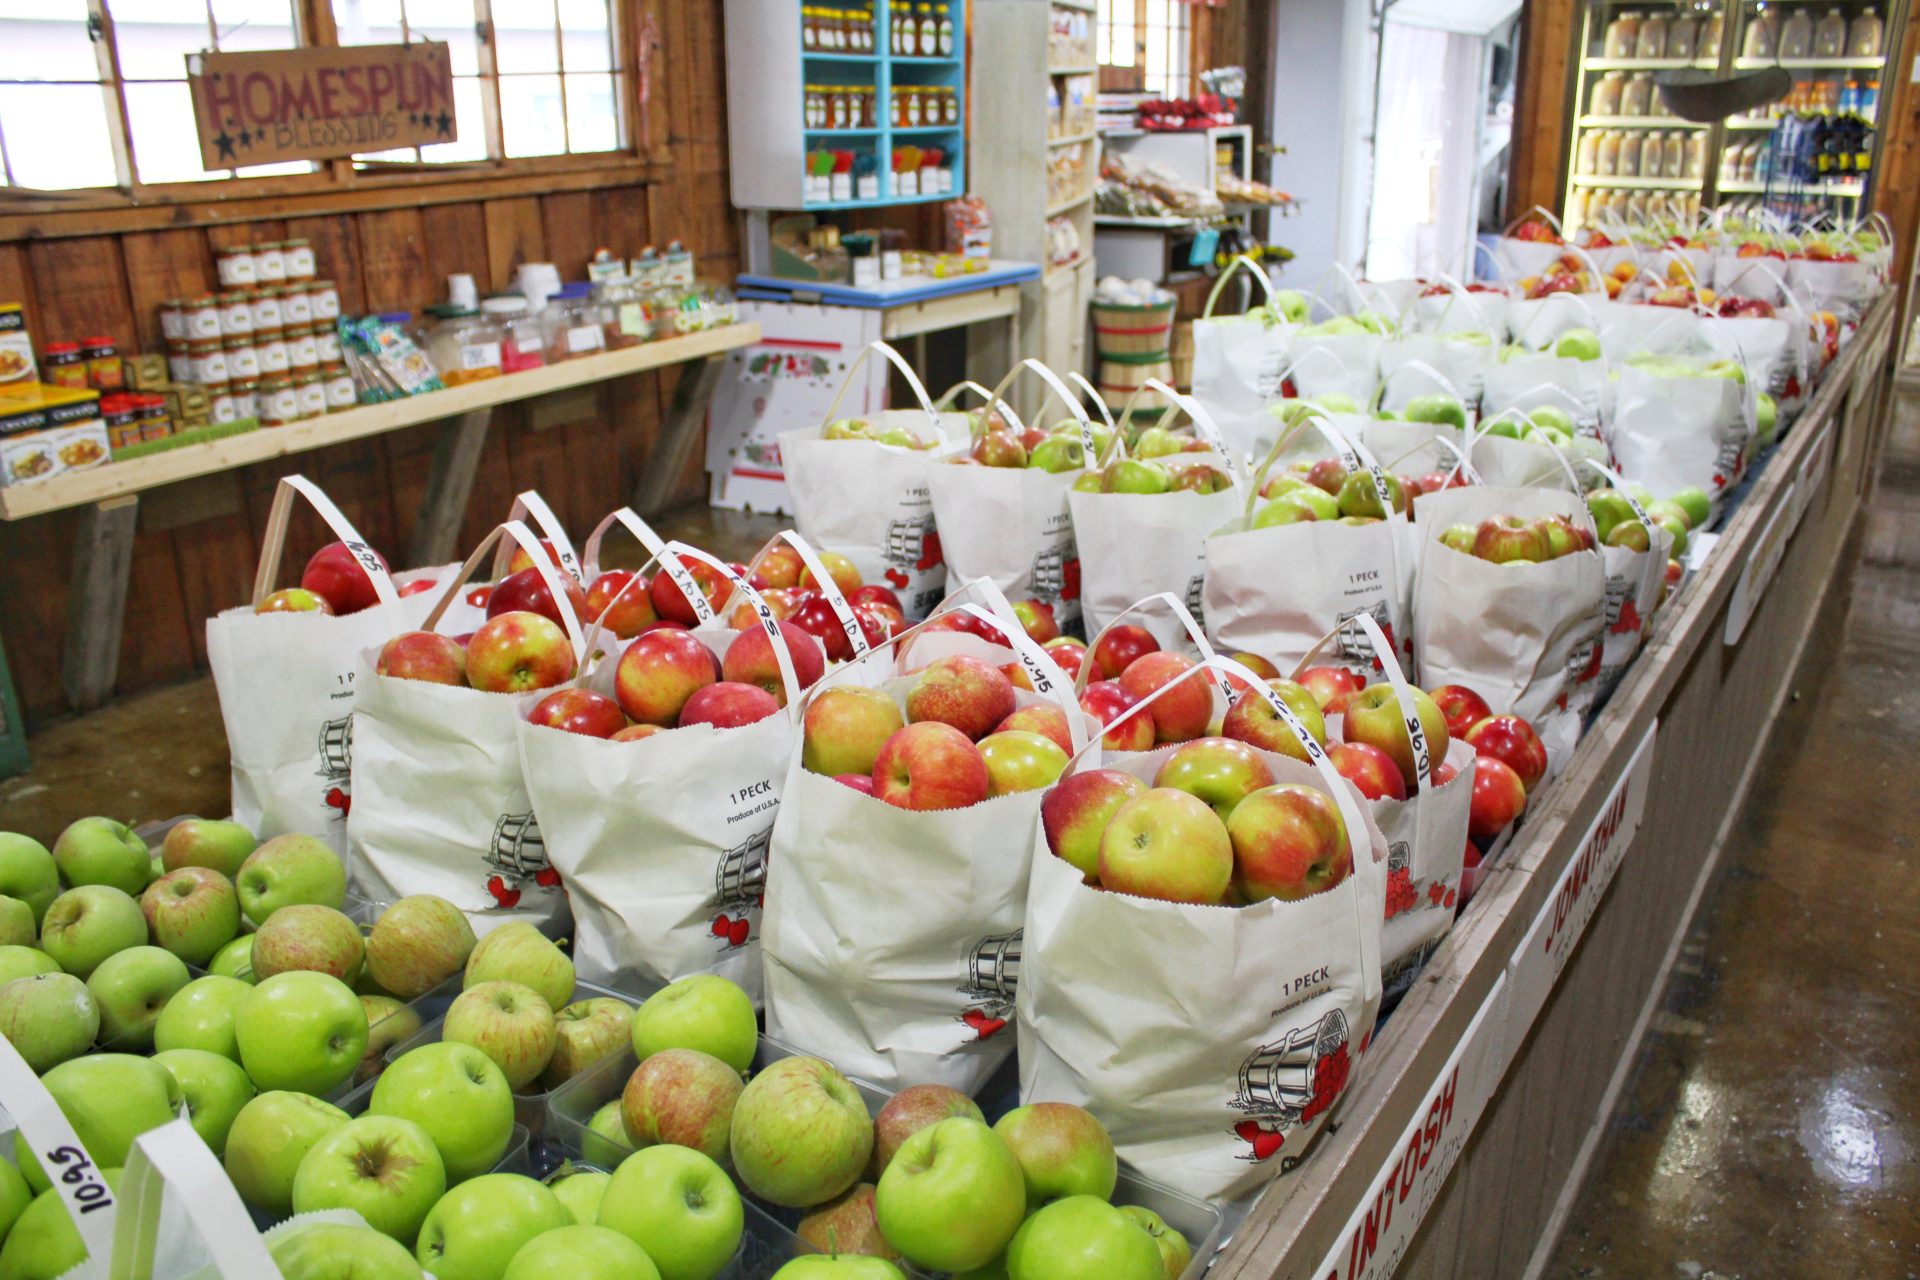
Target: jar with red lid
(152, 412)
(62, 365)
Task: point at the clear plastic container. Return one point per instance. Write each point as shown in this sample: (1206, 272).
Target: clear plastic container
(1865, 35)
(1588, 158)
(1763, 36)
(1830, 35)
(1796, 35)
(1637, 98)
(1682, 37)
(1706, 44)
(1605, 97)
(575, 324)
(1652, 40)
(465, 346)
(522, 346)
(1607, 164)
(1623, 35)
(1628, 163)
(1673, 156)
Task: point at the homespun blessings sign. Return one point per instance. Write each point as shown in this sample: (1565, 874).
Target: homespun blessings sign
(307, 104)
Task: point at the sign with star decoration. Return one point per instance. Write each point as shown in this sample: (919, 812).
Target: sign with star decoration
(311, 104)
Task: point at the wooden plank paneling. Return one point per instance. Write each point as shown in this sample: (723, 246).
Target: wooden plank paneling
(514, 236)
(566, 222)
(162, 265)
(1540, 129)
(81, 287)
(393, 261)
(336, 256)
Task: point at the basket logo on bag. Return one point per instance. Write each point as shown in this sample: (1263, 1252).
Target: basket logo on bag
(1056, 573)
(1196, 589)
(518, 856)
(740, 890)
(1291, 1082)
(992, 978)
(1356, 649)
(336, 765)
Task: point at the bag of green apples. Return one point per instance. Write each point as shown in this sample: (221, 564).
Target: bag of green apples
(1239, 361)
(283, 667)
(1201, 955)
(1510, 601)
(1001, 507)
(472, 607)
(1570, 376)
(659, 828)
(1683, 422)
(1434, 378)
(1521, 450)
(1635, 547)
(1309, 553)
(1142, 521)
(860, 486)
(440, 798)
(1337, 356)
(897, 878)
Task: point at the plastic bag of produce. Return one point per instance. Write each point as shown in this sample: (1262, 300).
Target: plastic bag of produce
(1008, 521)
(1141, 538)
(286, 682)
(1239, 361)
(860, 487)
(891, 936)
(1212, 1041)
(1526, 638)
(440, 799)
(470, 610)
(1683, 421)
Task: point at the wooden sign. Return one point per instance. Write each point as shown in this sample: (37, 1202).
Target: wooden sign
(309, 104)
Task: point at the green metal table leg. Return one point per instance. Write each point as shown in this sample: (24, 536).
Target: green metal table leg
(13, 729)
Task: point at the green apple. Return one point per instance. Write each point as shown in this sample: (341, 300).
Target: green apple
(1083, 1238)
(215, 1089)
(606, 1142)
(1766, 419)
(130, 988)
(1630, 534)
(1438, 408)
(952, 1196)
(680, 1207)
(1057, 454)
(507, 1022)
(18, 925)
(1546, 437)
(110, 1099)
(458, 1096)
(845, 429)
(704, 1012)
(28, 872)
(388, 1023)
(479, 1225)
(192, 912)
(335, 1251)
(581, 1253)
(520, 953)
(1292, 507)
(1374, 322)
(1336, 402)
(1469, 337)
(1062, 1149)
(308, 937)
(1460, 537)
(581, 1192)
(202, 1016)
(382, 1167)
(1678, 528)
(1157, 442)
(48, 1018)
(24, 962)
(585, 1032)
(268, 1140)
(1577, 344)
(1359, 497)
(44, 1243)
(1667, 508)
(1175, 1252)
(1694, 504)
(1552, 415)
(301, 1031)
(1728, 369)
(287, 871)
(1138, 475)
(1609, 508)
(1291, 304)
(801, 1133)
(417, 944)
(1090, 482)
(844, 1266)
(213, 843)
(235, 960)
(102, 851)
(15, 1196)
(1505, 428)
(86, 925)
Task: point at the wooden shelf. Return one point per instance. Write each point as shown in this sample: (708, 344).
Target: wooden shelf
(1072, 71)
(1055, 210)
(1071, 138)
(119, 478)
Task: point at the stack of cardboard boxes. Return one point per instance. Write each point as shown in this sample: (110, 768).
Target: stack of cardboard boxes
(44, 430)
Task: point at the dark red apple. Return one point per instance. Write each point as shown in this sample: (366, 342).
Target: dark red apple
(528, 591)
(336, 575)
(582, 711)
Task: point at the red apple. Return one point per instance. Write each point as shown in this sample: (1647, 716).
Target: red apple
(874, 593)
(521, 560)
(1368, 768)
(1443, 773)
(782, 565)
(1021, 760)
(1184, 712)
(1046, 720)
(930, 765)
(1512, 741)
(816, 617)
(1105, 701)
(1461, 706)
(423, 655)
(336, 575)
(1373, 717)
(1075, 814)
(519, 652)
(1501, 539)
(728, 705)
(1220, 771)
(294, 600)
(581, 711)
(750, 660)
(1037, 618)
(999, 448)
(1067, 654)
(1331, 687)
(635, 732)
(1328, 474)
(909, 1111)
(781, 602)
(879, 623)
(1498, 798)
(1252, 720)
(845, 728)
(838, 567)
(659, 672)
(1168, 845)
(632, 612)
(527, 590)
(671, 604)
(1115, 649)
(1288, 843)
(861, 782)
(964, 692)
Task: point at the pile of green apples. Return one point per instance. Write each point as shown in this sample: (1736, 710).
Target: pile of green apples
(1053, 449)
(1326, 490)
(866, 429)
(1579, 343)
(1686, 510)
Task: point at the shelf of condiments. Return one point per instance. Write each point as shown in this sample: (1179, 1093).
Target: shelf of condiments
(855, 106)
(913, 31)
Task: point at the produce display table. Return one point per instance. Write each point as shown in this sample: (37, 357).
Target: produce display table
(1461, 1147)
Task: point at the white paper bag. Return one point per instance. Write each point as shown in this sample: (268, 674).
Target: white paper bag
(1538, 323)
(180, 1216)
(1239, 362)
(1634, 582)
(1449, 307)
(1845, 288)
(1320, 364)
(1627, 328)
(1526, 382)
(46, 1132)
(1424, 365)
(1669, 433)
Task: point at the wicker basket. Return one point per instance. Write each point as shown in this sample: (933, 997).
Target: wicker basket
(1182, 355)
(1120, 379)
(1132, 331)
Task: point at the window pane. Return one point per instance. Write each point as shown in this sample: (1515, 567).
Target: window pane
(472, 142)
(166, 146)
(585, 37)
(368, 21)
(592, 124)
(452, 22)
(77, 154)
(1116, 26)
(155, 36)
(530, 116)
(525, 34)
(253, 24)
(45, 40)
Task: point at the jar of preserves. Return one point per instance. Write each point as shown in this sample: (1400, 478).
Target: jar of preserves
(296, 307)
(203, 318)
(151, 411)
(809, 28)
(272, 350)
(310, 395)
(326, 344)
(123, 425)
(837, 103)
(915, 111)
(267, 316)
(173, 320)
(236, 314)
(220, 405)
(945, 29)
(814, 107)
(243, 360)
(574, 324)
(209, 363)
(179, 362)
(234, 266)
(863, 30)
(521, 346)
(298, 258)
(929, 30)
(269, 263)
(278, 405)
(63, 365)
(323, 300)
(340, 391)
(303, 353)
(951, 97)
(246, 398)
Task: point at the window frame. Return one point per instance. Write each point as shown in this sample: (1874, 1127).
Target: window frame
(1132, 78)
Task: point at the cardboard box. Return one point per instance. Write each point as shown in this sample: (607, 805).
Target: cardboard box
(40, 455)
(36, 406)
(16, 346)
(148, 373)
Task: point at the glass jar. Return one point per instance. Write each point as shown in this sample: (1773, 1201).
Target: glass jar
(341, 393)
(220, 405)
(173, 320)
(298, 257)
(234, 266)
(62, 365)
(203, 318)
(944, 30)
(310, 395)
(630, 313)
(267, 316)
(326, 344)
(574, 324)
(809, 28)
(179, 362)
(323, 300)
(863, 30)
(243, 360)
(837, 102)
(296, 307)
(520, 344)
(464, 346)
(913, 112)
(236, 315)
(269, 263)
(929, 30)
(209, 363)
(814, 107)
(303, 353)
(151, 411)
(272, 350)
(950, 101)
(246, 398)
(277, 404)
(122, 422)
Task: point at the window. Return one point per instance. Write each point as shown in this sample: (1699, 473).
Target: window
(1145, 47)
(531, 78)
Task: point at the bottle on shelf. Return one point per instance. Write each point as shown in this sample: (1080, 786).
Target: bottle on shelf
(1587, 159)
(1605, 98)
(1864, 35)
(1631, 149)
(1763, 36)
(1637, 98)
(1706, 44)
(1682, 37)
(1796, 35)
(1607, 164)
(1674, 155)
(1830, 35)
(1623, 35)
(944, 16)
(1652, 40)
(929, 29)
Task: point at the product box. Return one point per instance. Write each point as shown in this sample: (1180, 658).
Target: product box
(16, 346)
(36, 406)
(148, 372)
(38, 455)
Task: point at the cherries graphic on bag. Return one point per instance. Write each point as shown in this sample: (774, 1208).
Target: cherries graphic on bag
(1266, 1142)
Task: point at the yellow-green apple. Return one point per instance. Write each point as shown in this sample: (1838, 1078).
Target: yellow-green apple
(338, 573)
(1461, 707)
(1513, 742)
(1175, 1252)
(964, 692)
(1694, 504)
(1075, 814)
(999, 448)
(580, 1253)
(102, 851)
(1630, 534)
(750, 659)
(670, 603)
(518, 952)
(1117, 648)
(704, 1012)
(1258, 665)
(1359, 497)
(336, 1251)
(28, 872)
(908, 1112)
(458, 1097)
(1037, 617)
(1062, 1149)
(382, 1167)
(1045, 719)
(624, 613)
(1057, 453)
(417, 944)
(581, 711)
(1106, 702)
(206, 842)
(287, 871)
(1330, 687)
(302, 1031)
(841, 570)
(269, 1138)
(201, 1015)
(585, 1032)
(1083, 1238)
(235, 960)
(304, 936)
(1436, 408)
(48, 1018)
(192, 912)
(1459, 537)
(1169, 845)
(801, 1134)
(1563, 538)
(679, 1207)
(952, 1196)
(110, 1099)
(845, 728)
(659, 672)
(130, 988)
(527, 592)
(509, 1023)
(1220, 771)
(851, 1266)
(388, 1023)
(580, 1192)
(15, 1196)
(518, 652)
(426, 656)
(1499, 797)
(44, 1241)
(293, 600)
(1503, 538)
(1295, 506)
(86, 925)
(1184, 712)
(1252, 720)
(214, 1089)
(1289, 842)
(24, 962)
(1373, 717)
(931, 765)
(728, 705)
(1371, 770)
(605, 1141)
(848, 1226)
(1020, 760)
(683, 1097)
(781, 565)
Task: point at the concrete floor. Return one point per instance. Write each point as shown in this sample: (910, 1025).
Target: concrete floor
(1772, 1128)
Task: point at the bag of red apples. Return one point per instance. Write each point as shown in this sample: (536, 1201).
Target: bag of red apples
(860, 485)
(440, 798)
(1001, 506)
(898, 875)
(1203, 984)
(284, 669)
(475, 604)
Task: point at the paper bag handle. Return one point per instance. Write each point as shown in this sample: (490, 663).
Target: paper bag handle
(541, 564)
(951, 397)
(1353, 455)
(174, 1155)
(1241, 262)
(669, 555)
(274, 544)
(528, 502)
(629, 519)
(824, 585)
(1181, 614)
(1091, 392)
(1425, 759)
(1060, 391)
(918, 387)
(81, 1184)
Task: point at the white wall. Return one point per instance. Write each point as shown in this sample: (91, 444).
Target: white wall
(1323, 100)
